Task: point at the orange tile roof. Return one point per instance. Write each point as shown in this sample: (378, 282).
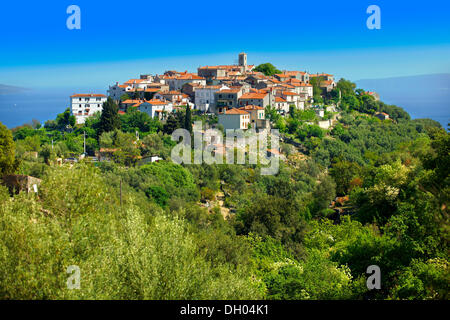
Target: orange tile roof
(131, 81)
(171, 93)
(321, 75)
(236, 111)
(87, 95)
(251, 107)
(156, 102)
(327, 82)
(152, 89)
(280, 75)
(289, 93)
(128, 101)
(229, 91)
(208, 87)
(184, 76)
(223, 67)
(253, 95)
(279, 99)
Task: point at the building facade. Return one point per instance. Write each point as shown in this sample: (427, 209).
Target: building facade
(234, 119)
(156, 107)
(83, 106)
(205, 98)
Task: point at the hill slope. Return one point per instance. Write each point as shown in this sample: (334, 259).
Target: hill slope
(424, 96)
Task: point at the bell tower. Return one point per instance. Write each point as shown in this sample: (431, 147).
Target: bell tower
(243, 60)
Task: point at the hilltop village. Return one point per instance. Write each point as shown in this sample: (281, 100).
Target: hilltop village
(237, 94)
(357, 183)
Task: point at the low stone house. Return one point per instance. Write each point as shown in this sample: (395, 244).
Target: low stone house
(18, 182)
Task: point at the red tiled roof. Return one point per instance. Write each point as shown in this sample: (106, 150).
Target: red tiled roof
(171, 93)
(87, 95)
(156, 102)
(229, 91)
(129, 101)
(251, 107)
(253, 95)
(131, 81)
(152, 89)
(288, 93)
(235, 111)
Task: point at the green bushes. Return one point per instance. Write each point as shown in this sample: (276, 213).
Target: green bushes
(122, 252)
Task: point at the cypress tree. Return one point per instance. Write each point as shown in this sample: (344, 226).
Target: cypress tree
(188, 119)
(109, 120)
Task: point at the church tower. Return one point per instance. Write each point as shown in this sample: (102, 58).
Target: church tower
(243, 60)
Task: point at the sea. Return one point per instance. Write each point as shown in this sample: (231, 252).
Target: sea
(44, 104)
(41, 104)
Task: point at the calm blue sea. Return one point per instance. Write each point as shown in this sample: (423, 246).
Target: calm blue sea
(44, 104)
(423, 96)
(41, 104)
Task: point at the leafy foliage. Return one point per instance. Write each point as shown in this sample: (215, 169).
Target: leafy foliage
(267, 68)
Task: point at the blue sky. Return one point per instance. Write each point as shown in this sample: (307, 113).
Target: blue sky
(119, 40)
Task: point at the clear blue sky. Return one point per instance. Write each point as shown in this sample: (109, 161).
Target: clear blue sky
(120, 39)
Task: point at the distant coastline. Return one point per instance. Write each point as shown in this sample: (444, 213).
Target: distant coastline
(422, 96)
(6, 89)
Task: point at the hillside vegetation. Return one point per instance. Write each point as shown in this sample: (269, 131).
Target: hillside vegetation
(155, 231)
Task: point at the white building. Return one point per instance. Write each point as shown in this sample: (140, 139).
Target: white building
(204, 97)
(155, 106)
(234, 119)
(307, 89)
(83, 106)
(281, 105)
(294, 98)
(118, 90)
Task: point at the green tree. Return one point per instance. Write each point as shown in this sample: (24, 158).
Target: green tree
(343, 173)
(64, 120)
(109, 120)
(188, 119)
(174, 121)
(323, 194)
(7, 151)
(268, 69)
